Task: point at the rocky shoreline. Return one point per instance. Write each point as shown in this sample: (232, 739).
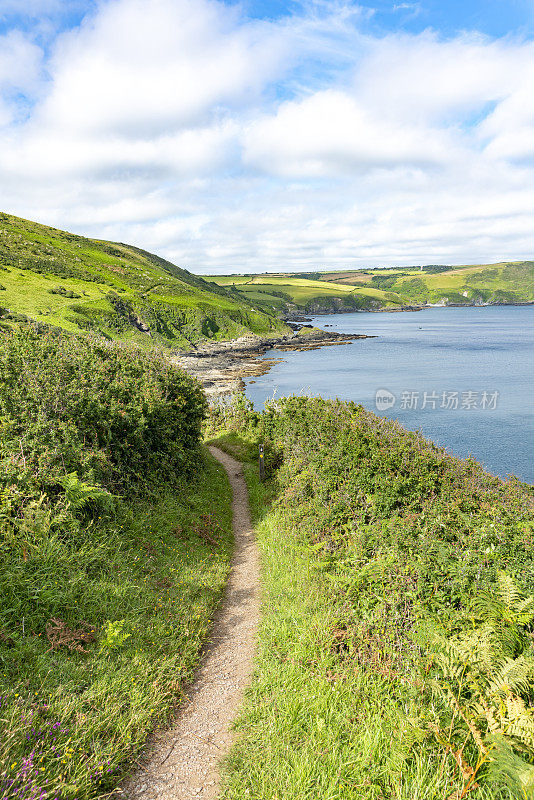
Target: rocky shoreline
(222, 366)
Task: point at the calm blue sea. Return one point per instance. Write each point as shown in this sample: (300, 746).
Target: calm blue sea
(463, 376)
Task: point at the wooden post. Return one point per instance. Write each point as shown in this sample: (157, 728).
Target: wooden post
(262, 464)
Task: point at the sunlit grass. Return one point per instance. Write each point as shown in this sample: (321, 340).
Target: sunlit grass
(71, 721)
(123, 293)
(369, 536)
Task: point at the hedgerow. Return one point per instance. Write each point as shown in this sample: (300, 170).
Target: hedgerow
(106, 585)
(110, 413)
(424, 554)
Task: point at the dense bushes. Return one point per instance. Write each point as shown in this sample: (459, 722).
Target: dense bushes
(364, 484)
(106, 584)
(422, 554)
(82, 423)
(109, 413)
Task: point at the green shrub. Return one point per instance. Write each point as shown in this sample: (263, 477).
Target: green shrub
(106, 588)
(108, 413)
(411, 543)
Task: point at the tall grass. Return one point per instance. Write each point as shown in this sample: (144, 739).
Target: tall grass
(381, 673)
(115, 546)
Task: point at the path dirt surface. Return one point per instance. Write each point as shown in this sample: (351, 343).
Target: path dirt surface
(182, 763)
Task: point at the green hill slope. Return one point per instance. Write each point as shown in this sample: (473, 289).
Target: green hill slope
(116, 290)
(351, 290)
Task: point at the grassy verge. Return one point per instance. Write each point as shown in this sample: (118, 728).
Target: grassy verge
(300, 733)
(127, 616)
(396, 657)
(260, 495)
(115, 542)
(314, 724)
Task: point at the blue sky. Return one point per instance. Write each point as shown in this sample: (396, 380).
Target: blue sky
(267, 135)
(490, 17)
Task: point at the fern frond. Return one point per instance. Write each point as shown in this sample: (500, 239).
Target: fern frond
(488, 606)
(515, 675)
(505, 763)
(520, 722)
(78, 494)
(485, 675)
(508, 590)
(525, 610)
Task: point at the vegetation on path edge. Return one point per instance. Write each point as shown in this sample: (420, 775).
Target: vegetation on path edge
(397, 580)
(396, 656)
(116, 544)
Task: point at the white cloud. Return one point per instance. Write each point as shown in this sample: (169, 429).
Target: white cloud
(428, 79)
(509, 129)
(142, 67)
(231, 144)
(20, 72)
(331, 133)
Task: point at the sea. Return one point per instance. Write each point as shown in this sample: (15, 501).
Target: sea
(464, 377)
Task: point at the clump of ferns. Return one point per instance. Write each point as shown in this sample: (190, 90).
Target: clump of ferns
(481, 686)
(79, 495)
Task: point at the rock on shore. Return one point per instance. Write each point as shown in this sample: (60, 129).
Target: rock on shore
(222, 366)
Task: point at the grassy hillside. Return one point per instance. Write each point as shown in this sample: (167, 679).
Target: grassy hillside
(386, 288)
(396, 656)
(114, 549)
(115, 290)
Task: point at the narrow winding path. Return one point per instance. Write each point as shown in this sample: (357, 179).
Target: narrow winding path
(183, 763)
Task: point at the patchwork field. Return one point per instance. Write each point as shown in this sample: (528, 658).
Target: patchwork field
(385, 288)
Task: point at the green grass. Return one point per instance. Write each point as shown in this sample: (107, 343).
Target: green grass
(260, 495)
(123, 292)
(28, 293)
(84, 716)
(314, 725)
(379, 554)
(487, 283)
(236, 446)
(114, 549)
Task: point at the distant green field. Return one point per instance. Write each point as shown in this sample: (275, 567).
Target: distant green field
(386, 288)
(303, 293)
(115, 290)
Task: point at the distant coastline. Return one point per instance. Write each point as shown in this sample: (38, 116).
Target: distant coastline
(397, 309)
(396, 288)
(221, 367)
(467, 352)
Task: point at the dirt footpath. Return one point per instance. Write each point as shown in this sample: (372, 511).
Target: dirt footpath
(183, 762)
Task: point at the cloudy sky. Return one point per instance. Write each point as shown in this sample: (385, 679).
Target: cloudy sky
(270, 135)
